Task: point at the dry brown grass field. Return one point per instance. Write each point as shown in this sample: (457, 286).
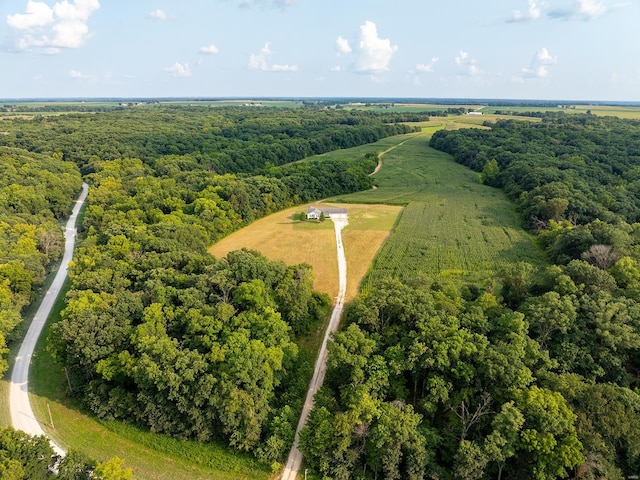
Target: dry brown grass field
(282, 236)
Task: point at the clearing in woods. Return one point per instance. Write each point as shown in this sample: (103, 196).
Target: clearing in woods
(282, 236)
(452, 225)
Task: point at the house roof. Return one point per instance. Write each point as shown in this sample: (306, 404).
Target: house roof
(327, 210)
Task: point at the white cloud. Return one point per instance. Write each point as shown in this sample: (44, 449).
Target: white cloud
(284, 68)
(75, 74)
(259, 61)
(374, 52)
(343, 46)
(462, 56)
(543, 57)
(533, 13)
(158, 15)
(209, 50)
(265, 3)
(427, 67)
(80, 10)
(539, 66)
(39, 14)
(69, 34)
(51, 29)
(581, 10)
(468, 67)
(336, 68)
(179, 70)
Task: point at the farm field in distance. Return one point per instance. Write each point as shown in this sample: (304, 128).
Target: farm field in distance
(401, 106)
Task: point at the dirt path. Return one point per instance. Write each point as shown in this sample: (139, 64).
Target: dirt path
(380, 155)
(295, 456)
(22, 417)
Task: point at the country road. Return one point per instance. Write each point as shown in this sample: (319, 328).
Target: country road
(22, 417)
(295, 456)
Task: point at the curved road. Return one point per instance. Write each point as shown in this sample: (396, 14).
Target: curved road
(295, 456)
(22, 417)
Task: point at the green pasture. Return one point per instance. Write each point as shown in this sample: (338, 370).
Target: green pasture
(452, 224)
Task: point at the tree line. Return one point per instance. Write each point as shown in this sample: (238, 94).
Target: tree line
(221, 139)
(36, 192)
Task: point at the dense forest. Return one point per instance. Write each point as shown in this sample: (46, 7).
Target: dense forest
(36, 192)
(537, 378)
(220, 139)
(535, 375)
(156, 331)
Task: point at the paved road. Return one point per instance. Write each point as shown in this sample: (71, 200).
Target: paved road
(295, 456)
(22, 417)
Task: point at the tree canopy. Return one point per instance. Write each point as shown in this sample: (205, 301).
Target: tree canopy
(36, 191)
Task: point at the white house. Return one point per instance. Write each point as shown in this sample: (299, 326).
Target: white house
(314, 213)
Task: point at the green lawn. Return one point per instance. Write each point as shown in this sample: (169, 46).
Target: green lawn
(452, 224)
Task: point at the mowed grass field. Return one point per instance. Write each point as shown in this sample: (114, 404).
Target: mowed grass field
(452, 225)
(282, 236)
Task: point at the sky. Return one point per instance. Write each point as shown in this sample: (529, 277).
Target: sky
(512, 49)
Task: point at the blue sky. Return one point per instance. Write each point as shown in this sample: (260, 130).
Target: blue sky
(553, 49)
